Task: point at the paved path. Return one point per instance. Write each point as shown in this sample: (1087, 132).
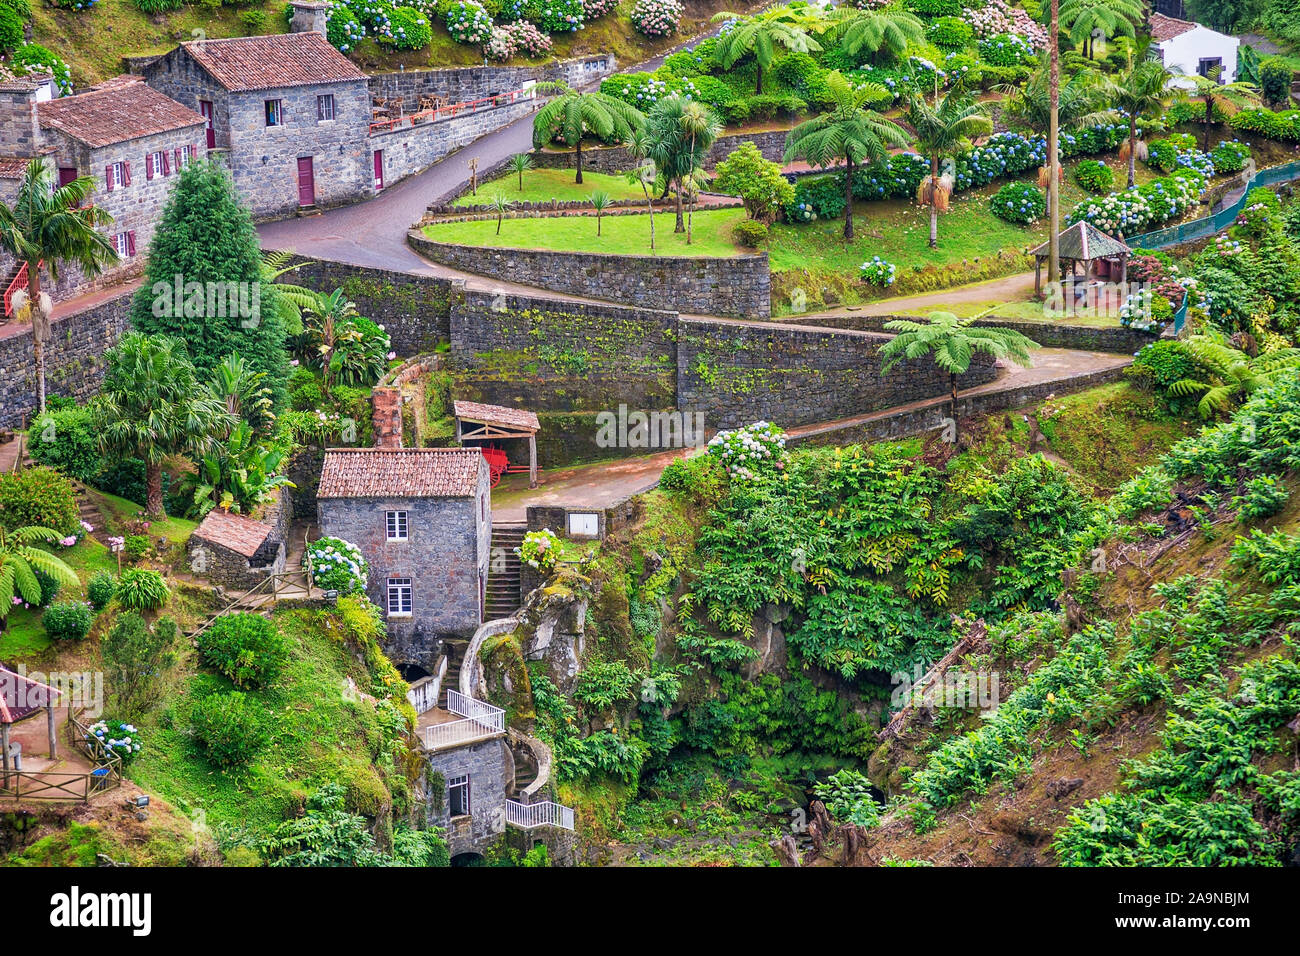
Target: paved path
(1015, 288)
(603, 484)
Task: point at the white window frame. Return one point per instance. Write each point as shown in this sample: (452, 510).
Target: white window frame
(187, 156)
(395, 525)
(122, 244)
(455, 783)
(156, 165)
(119, 175)
(273, 108)
(396, 587)
(324, 115)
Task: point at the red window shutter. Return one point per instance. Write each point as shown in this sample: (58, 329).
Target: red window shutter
(148, 166)
(108, 176)
(126, 173)
(178, 163)
(167, 164)
(194, 150)
(130, 243)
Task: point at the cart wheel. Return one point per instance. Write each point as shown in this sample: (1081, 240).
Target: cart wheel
(496, 478)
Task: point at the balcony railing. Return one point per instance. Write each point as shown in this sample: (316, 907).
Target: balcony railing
(543, 814)
(425, 692)
(478, 721)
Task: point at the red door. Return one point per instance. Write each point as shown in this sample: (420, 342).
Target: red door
(67, 174)
(379, 170)
(306, 182)
(205, 109)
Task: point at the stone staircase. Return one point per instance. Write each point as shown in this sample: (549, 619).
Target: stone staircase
(503, 574)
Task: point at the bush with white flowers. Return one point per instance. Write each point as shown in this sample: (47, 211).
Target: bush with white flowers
(467, 22)
(597, 8)
(878, 272)
(337, 565)
(115, 737)
(656, 18)
(1006, 49)
(1132, 211)
(540, 550)
(343, 29)
(509, 39)
(749, 452)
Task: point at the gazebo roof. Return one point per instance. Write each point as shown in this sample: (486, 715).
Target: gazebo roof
(500, 415)
(21, 697)
(1084, 242)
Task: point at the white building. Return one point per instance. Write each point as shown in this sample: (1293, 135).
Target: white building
(1194, 49)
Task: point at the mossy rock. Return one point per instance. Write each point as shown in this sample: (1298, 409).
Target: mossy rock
(507, 680)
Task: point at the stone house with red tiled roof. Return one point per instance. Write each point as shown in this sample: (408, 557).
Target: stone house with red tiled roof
(290, 113)
(422, 518)
(131, 140)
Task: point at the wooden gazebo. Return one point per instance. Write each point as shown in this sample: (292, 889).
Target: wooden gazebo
(476, 422)
(21, 698)
(1084, 243)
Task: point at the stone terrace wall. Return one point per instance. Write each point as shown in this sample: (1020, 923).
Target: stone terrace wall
(74, 357)
(1115, 338)
(408, 150)
(733, 286)
(467, 83)
(551, 355)
(413, 309)
(738, 373)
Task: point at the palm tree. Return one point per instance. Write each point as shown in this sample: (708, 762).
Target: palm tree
(19, 562)
(680, 132)
(241, 390)
(1229, 373)
(152, 406)
(51, 224)
(861, 32)
(571, 115)
(1222, 98)
(1141, 92)
(760, 35)
(520, 163)
(644, 173)
(952, 342)
(942, 130)
(1084, 18)
(849, 131)
(500, 205)
(701, 127)
(600, 201)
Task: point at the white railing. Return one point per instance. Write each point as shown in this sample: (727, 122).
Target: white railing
(543, 814)
(480, 720)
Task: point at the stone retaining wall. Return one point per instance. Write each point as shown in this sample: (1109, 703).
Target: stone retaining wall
(465, 84)
(615, 159)
(1116, 338)
(737, 373)
(410, 149)
(74, 358)
(734, 285)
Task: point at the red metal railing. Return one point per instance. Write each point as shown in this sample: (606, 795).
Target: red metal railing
(448, 112)
(19, 282)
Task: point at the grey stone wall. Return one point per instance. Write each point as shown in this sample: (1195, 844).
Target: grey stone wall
(74, 357)
(467, 83)
(732, 285)
(1054, 335)
(548, 354)
(414, 310)
(738, 373)
(408, 150)
(445, 557)
(488, 765)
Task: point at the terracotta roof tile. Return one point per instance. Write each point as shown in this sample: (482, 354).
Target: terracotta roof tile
(401, 473)
(239, 533)
(13, 167)
(261, 63)
(121, 109)
(495, 415)
(1166, 28)
(21, 697)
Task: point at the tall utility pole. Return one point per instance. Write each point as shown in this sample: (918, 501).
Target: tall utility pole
(1053, 134)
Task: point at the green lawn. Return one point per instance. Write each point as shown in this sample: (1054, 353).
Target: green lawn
(119, 510)
(627, 234)
(541, 185)
(23, 635)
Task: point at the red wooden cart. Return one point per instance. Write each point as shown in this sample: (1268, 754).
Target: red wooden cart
(497, 463)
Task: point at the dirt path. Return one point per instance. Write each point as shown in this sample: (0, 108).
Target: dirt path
(1015, 288)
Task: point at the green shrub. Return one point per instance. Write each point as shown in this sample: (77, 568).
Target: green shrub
(750, 232)
(935, 8)
(100, 589)
(158, 6)
(67, 620)
(699, 476)
(230, 729)
(140, 589)
(1275, 79)
(38, 496)
(135, 546)
(67, 440)
(1265, 495)
(125, 478)
(1021, 203)
(951, 33)
(11, 29)
(410, 28)
(1094, 176)
(50, 587)
(1230, 156)
(247, 648)
(254, 21)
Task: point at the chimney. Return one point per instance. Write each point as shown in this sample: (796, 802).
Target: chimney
(308, 16)
(386, 416)
(20, 131)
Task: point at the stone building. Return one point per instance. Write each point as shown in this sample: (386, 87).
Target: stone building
(131, 140)
(239, 551)
(289, 113)
(422, 519)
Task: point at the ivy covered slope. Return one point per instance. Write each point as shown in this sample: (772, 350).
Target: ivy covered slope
(93, 36)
